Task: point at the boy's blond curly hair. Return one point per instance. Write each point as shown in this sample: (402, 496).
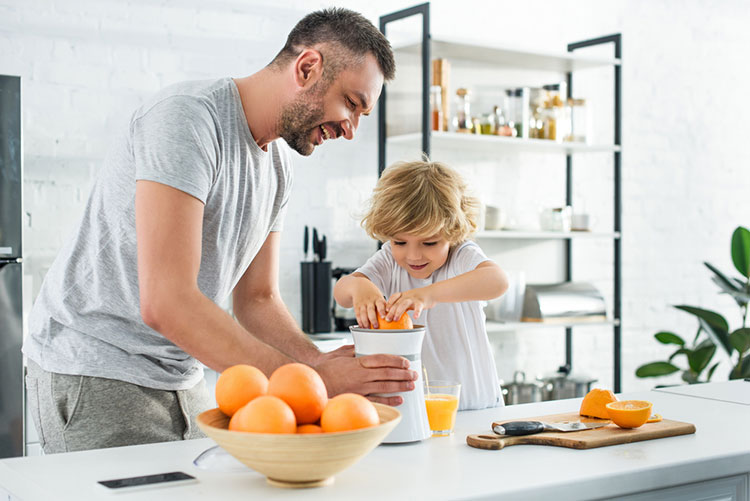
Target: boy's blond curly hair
(424, 199)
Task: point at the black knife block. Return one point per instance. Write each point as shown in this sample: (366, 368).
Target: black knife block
(316, 282)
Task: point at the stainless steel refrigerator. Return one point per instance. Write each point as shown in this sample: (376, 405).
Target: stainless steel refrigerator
(11, 252)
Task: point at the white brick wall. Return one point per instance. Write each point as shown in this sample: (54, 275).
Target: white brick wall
(86, 64)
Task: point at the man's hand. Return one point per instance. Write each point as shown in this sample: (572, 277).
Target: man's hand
(415, 299)
(367, 375)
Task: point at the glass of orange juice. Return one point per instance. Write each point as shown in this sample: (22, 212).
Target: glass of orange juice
(441, 399)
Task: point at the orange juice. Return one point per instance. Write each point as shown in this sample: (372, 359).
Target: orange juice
(441, 412)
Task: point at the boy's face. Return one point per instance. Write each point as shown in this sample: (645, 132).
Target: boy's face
(419, 256)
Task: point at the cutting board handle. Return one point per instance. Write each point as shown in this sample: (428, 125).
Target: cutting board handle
(489, 442)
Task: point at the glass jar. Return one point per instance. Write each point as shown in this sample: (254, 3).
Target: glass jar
(436, 107)
(578, 120)
(518, 109)
(487, 124)
(462, 122)
(501, 126)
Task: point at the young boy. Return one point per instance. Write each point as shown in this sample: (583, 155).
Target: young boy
(423, 214)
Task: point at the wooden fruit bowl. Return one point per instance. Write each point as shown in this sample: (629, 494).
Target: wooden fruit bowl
(304, 460)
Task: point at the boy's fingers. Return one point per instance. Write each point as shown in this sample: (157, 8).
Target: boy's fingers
(372, 314)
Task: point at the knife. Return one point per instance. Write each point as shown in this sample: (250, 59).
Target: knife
(518, 428)
(323, 248)
(315, 244)
(305, 245)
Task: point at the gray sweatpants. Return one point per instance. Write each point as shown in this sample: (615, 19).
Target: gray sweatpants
(73, 413)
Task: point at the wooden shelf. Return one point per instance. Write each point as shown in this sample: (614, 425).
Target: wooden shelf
(545, 235)
(487, 143)
(510, 58)
(493, 326)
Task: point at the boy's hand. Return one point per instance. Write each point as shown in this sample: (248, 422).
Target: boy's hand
(415, 299)
(368, 302)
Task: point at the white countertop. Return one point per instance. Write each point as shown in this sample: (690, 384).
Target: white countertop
(736, 391)
(438, 468)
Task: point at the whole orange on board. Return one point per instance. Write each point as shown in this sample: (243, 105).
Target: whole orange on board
(595, 402)
(238, 385)
(264, 414)
(402, 323)
(302, 388)
(348, 411)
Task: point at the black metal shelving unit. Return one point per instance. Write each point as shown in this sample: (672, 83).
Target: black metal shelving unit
(616, 39)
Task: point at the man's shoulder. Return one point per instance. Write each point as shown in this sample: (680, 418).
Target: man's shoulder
(195, 96)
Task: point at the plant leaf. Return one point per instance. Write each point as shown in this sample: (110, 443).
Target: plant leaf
(745, 371)
(714, 324)
(713, 318)
(740, 339)
(741, 250)
(720, 279)
(711, 371)
(740, 297)
(655, 369)
(669, 338)
(681, 351)
(699, 359)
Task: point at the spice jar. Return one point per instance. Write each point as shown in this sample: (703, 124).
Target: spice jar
(436, 107)
(462, 121)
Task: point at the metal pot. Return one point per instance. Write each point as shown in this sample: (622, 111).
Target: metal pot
(521, 391)
(562, 384)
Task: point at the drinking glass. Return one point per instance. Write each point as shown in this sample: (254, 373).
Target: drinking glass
(441, 399)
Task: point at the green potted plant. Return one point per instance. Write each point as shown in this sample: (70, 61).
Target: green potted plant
(713, 329)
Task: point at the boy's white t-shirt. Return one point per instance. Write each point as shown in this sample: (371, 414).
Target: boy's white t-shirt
(455, 347)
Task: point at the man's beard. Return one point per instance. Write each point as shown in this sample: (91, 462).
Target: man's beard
(300, 117)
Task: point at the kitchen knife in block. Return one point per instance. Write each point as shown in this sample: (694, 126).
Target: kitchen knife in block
(588, 439)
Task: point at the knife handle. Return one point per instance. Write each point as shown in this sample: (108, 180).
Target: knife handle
(518, 428)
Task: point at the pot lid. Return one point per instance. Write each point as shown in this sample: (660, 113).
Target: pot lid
(564, 374)
(519, 381)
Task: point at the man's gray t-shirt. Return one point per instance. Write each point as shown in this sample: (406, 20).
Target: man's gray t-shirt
(191, 136)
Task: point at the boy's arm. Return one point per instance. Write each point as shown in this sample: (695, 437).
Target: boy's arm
(486, 281)
(357, 291)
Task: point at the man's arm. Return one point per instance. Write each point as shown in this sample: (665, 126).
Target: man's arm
(169, 234)
(258, 306)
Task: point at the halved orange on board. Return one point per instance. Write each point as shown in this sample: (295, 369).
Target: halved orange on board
(595, 402)
(629, 413)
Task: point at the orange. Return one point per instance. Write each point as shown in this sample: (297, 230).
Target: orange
(348, 411)
(238, 385)
(655, 418)
(402, 323)
(629, 413)
(309, 428)
(264, 414)
(595, 402)
(302, 388)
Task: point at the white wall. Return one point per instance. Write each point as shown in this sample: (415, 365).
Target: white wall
(86, 64)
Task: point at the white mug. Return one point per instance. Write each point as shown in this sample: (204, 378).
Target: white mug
(581, 222)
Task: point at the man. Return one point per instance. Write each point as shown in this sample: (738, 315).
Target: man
(188, 209)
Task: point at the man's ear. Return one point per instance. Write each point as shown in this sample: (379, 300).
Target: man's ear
(308, 67)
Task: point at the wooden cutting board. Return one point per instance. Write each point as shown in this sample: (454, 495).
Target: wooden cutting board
(587, 439)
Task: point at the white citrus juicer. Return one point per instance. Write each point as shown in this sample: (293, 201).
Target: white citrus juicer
(408, 344)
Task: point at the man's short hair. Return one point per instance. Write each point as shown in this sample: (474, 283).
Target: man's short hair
(340, 27)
